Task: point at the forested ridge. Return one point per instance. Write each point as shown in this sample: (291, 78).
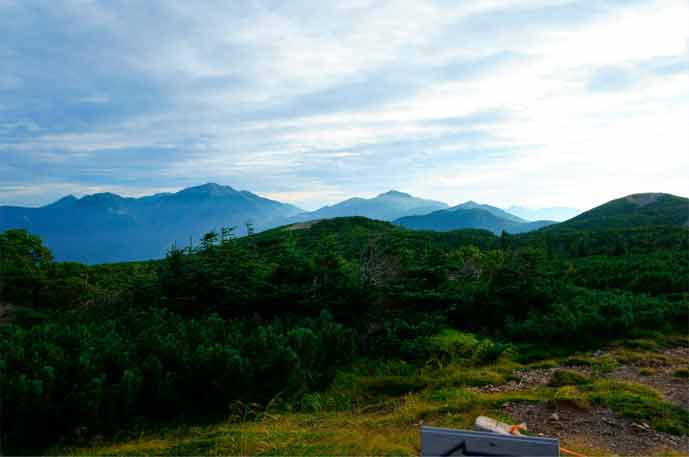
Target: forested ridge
(271, 317)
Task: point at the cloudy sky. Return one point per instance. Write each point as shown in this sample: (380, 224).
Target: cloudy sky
(532, 102)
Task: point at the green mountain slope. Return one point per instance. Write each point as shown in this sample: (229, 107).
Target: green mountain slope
(351, 237)
(632, 211)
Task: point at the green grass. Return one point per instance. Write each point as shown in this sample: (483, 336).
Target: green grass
(377, 407)
(391, 429)
(647, 344)
(642, 359)
(602, 364)
(641, 403)
(568, 378)
(371, 383)
(549, 363)
(466, 348)
(294, 434)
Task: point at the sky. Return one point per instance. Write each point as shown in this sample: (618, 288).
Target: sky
(536, 103)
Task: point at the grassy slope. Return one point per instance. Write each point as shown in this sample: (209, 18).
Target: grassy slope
(377, 409)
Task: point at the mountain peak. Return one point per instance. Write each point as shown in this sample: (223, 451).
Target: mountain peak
(387, 206)
(65, 200)
(472, 205)
(644, 199)
(470, 215)
(101, 196)
(394, 193)
(211, 188)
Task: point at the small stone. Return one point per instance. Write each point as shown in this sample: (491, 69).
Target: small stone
(541, 434)
(639, 427)
(555, 417)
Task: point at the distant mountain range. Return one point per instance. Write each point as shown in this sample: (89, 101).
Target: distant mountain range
(630, 211)
(109, 228)
(106, 227)
(497, 212)
(556, 213)
(385, 207)
(471, 215)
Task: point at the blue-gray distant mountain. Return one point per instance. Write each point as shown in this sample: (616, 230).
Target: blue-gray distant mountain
(491, 209)
(108, 228)
(385, 207)
(555, 213)
(471, 215)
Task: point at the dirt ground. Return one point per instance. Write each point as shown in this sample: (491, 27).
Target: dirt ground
(600, 428)
(596, 429)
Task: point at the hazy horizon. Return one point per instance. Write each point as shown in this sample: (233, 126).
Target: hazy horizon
(451, 203)
(533, 103)
(368, 196)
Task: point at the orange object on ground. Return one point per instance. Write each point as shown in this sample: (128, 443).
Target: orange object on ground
(493, 425)
(567, 451)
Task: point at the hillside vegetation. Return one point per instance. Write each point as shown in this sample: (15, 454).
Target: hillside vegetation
(632, 211)
(303, 322)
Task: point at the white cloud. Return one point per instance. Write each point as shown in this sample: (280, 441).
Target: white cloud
(503, 102)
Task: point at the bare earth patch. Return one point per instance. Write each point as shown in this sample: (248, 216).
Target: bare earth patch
(528, 379)
(643, 199)
(303, 225)
(597, 428)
